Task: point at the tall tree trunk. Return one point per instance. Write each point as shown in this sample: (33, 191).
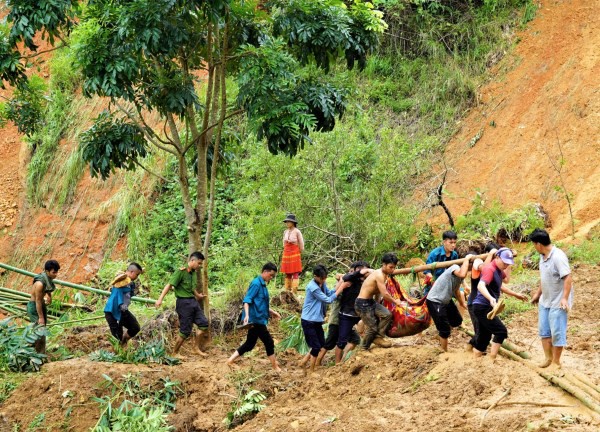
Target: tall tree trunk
(220, 86)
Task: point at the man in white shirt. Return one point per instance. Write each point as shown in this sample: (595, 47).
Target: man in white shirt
(554, 295)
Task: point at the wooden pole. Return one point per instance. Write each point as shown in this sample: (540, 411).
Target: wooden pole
(72, 285)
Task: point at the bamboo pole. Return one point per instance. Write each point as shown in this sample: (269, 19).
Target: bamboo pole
(433, 266)
(74, 321)
(72, 285)
(507, 345)
(575, 391)
(13, 292)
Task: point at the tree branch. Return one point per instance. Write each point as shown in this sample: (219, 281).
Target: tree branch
(151, 172)
(228, 116)
(145, 130)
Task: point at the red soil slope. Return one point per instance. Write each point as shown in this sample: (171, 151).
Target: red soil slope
(550, 94)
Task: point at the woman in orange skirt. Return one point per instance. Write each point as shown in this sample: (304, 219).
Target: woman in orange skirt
(293, 245)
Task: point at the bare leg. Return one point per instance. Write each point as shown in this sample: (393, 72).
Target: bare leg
(444, 344)
(178, 342)
(339, 355)
(233, 358)
(313, 363)
(477, 353)
(556, 353)
(349, 347)
(274, 363)
(198, 349)
(320, 356)
(494, 350)
(304, 360)
(548, 352)
(125, 339)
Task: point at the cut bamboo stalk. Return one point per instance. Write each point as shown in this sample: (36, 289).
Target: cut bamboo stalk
(575, 391)
(508, 345)
(75, 321)
(75, 286)
(14, 292)
(585, 380)
(583, 386)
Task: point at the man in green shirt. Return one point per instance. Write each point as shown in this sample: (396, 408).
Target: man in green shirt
(189, 298)
(41, 293)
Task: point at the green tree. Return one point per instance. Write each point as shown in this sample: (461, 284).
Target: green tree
(183, 59)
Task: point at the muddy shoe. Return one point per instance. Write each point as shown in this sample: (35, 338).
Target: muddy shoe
(496, 310)
(381, 342)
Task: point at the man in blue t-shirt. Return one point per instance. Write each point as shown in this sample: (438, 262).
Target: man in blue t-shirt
(445, 252)
(256, 314)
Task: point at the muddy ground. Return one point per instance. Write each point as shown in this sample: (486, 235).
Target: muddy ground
(409, 386)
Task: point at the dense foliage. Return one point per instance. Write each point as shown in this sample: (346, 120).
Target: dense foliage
(17, 353)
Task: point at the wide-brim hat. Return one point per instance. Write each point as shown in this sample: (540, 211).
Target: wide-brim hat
(290, 218)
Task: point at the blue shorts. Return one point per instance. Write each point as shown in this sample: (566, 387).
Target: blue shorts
(552, 323)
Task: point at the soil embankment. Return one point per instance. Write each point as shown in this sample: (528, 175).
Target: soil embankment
(541, 108)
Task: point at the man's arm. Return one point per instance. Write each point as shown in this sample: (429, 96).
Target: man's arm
(459, 296)
(482, 288)
(49, 298)
(246, 313)
(508, 291)
(38, 295)
(536, 297)
(567, 287)
(163, 294)
(464, 268)
(384, 293)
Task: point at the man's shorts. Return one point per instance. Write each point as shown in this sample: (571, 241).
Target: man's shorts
(552, 323)
(32, 313)
(190, 313)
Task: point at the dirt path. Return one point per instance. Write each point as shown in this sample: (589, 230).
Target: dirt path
(550, 93)
(409, 386)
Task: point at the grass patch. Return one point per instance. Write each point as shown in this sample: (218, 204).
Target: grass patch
(587, 252)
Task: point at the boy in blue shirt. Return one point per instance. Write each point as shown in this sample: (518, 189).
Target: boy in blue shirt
(116, 311)
(445, 252)
(256, 313)
(318, 296)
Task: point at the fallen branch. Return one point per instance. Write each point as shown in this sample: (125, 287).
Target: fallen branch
(506, 393)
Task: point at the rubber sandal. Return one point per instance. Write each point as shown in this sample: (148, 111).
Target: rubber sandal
(496, 310)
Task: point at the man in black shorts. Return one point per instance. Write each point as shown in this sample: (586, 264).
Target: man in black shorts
(189, 298)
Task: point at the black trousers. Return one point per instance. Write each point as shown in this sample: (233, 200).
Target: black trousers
(475, 325)
(127, 321)
(487, 328)
(257, 331)
(445, 316)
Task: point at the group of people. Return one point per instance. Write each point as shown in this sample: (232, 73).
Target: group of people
(356, 300)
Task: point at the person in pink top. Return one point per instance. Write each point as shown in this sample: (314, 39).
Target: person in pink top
(293, 245)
